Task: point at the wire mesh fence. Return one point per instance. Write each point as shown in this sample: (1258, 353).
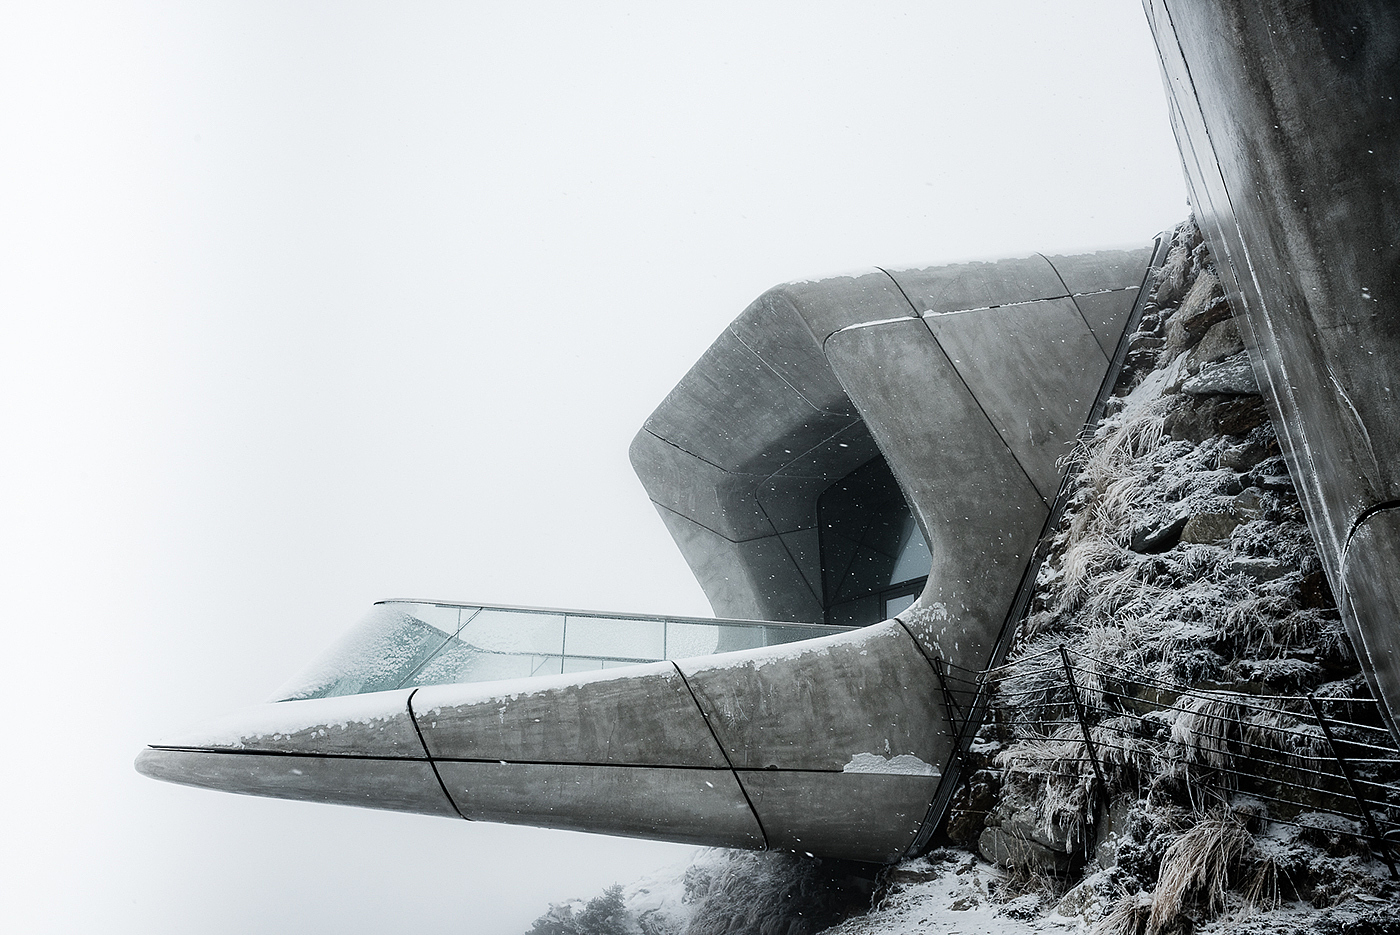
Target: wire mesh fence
(1089, 729)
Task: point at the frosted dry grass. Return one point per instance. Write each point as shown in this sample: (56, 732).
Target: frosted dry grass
(1085, 564)
(1124, 755)
(1254, 623)
(1206, 731)
(1303, 746)
(1197, 867)
(1128, 916)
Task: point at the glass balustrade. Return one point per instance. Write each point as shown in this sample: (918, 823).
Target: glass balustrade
(403, 644)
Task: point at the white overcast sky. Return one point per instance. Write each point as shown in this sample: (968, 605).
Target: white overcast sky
(308, 305)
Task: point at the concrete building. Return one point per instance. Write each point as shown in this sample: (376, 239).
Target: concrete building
(858, 472)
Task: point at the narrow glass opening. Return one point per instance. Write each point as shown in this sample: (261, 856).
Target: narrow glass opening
(874, 557)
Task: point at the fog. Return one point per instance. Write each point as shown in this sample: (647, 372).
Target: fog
(308, 305)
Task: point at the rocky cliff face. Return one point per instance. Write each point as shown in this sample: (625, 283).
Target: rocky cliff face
(1168, 768)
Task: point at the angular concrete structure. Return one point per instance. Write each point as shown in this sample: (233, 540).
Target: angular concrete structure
(1287, 118)
(861, 467)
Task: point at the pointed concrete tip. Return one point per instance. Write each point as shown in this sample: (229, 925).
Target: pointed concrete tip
(148, 763)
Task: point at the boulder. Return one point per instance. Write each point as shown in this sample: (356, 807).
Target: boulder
(1158, 533)
(1006, 850)
(1203, 306)
(1257, 567)
(1196, 418)
(1249, 504)
(1220, 341)
(1233, 376)
(1209, 527)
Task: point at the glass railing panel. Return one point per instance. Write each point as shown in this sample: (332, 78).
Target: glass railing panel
(404, 644)
(502, 630)
(685, 640)
(774, 634)
(604, 637)
(495, 644)
(736, 638)
(393, 641)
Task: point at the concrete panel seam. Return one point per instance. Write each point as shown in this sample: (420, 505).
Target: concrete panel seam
(1047, 298)
(722, 752)
(798, 393)
(953, 768)
(691, 519)
(1071, 297)
(788, 552)
(1361, 519)
(800, 455)
(869, 324)
(413, 717)
(298, 754)
(683, 450)
(971, 395)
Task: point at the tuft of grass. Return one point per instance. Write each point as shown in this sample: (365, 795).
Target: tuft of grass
(1196, 869)
(1129, 916)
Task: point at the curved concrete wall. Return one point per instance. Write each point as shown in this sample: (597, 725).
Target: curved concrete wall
(971, 379)
(1287, 118)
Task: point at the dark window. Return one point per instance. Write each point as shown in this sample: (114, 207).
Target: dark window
(874, 556)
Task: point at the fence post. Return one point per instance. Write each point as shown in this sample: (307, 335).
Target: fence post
(1083, 724)
(949, 702)
(1355, 790)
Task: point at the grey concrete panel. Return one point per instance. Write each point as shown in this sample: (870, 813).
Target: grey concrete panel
(1035, 370)
(698, 490)
(1370, 588)
(752, 580)
(828, 305)
(1289, 130)
(376, 724)
(804, 545)
(838, 456)
(958, 287)
(777, 334)
(399, 785)
(977, 507)
(790, 501)
(1102, 270)
(736, 412)
(634, 716)
(691, 806)
(857, 816)
(1107, 313)
(832, 703)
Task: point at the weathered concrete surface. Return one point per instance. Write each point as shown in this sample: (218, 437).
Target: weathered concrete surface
(980, 511)
(872, 817)
(635, 716)
(689, 806)
(1288, 122)
(823, 704)
(401, 785)
(798, 390)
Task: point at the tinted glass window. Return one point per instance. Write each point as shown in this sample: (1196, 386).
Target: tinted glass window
(872, 550)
